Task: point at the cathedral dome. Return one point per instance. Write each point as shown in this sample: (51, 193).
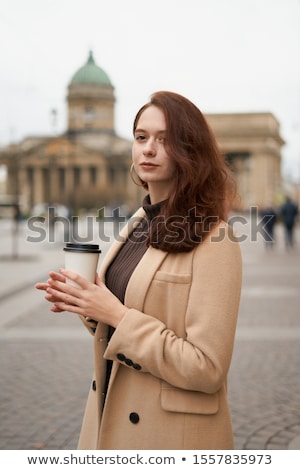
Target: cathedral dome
(91, 73)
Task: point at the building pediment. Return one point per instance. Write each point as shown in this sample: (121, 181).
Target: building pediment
(104, 143)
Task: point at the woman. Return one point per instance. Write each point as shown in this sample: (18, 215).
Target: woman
(164, 307)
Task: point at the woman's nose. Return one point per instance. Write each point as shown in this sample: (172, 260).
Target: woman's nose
(150, 148)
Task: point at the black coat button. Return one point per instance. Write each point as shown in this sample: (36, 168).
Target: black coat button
(128, 362)
(121, 357)
(136, 366)
(94, 385)
(134, 418)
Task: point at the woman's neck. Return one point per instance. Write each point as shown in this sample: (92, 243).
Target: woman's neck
(157, 194)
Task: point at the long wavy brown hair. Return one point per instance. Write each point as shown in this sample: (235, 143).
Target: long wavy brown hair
(203, 188)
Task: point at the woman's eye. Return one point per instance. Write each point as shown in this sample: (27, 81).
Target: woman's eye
(161, 140)
(140, 137)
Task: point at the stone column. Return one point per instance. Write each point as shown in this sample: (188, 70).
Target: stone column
(37, 189)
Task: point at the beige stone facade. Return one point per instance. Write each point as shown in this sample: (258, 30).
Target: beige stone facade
(86, 171)
(88, 166)
(252, 144)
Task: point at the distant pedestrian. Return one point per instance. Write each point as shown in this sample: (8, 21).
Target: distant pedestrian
(289, 212)
(269, 216)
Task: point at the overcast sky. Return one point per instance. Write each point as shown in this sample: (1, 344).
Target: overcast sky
(225, 55)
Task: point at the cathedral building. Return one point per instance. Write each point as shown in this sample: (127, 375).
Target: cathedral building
(88, 165)
(85, 167)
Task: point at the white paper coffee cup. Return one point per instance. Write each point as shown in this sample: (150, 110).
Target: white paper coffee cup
(82, 259)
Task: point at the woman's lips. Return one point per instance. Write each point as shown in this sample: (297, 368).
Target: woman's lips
(147, 165)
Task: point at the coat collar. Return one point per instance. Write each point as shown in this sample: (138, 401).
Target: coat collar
(118, 242)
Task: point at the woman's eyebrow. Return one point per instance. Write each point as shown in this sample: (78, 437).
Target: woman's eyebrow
(143, 130)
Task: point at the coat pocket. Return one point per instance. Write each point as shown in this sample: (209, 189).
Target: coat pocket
(171, 277)
(188, 401)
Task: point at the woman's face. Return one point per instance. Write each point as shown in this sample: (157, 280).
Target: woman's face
(151, 161)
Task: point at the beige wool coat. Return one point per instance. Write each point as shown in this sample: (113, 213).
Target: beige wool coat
(171, 352)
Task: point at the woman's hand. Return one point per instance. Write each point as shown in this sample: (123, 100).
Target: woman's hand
(90, 300)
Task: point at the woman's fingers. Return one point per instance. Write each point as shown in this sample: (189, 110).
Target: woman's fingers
(79, 280)
(57, 276)
(41, 285)
(65, 296)
(52, 296)
(56, 309)
(62, 293)
(53, 276)
(61, 289)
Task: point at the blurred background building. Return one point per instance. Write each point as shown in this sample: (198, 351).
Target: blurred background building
(88, 165)
(85, 167)
(252, 144)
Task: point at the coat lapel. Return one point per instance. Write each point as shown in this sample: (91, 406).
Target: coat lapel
(141, 278)
(138, 286)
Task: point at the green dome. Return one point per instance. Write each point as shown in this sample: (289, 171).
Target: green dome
(91, 73)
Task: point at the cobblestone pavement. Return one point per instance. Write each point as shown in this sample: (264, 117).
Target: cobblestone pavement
(46, 358)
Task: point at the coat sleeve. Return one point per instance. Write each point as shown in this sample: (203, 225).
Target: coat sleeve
(200, 360)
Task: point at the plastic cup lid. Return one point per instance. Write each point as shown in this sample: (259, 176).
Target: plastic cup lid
(82, 248)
